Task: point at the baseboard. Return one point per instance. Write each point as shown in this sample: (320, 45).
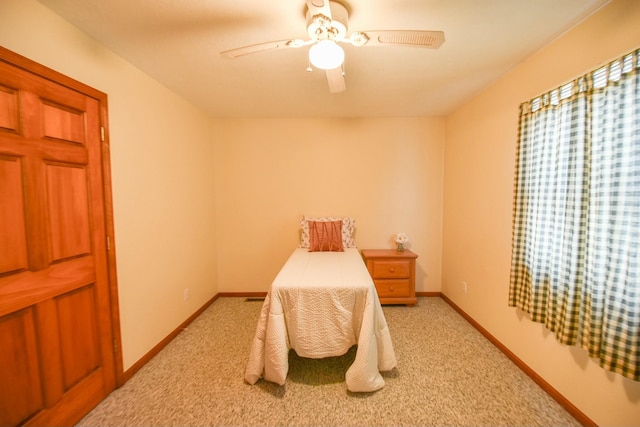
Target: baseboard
(428, 294)
(243, 294)
(126, 376)
(563, 401)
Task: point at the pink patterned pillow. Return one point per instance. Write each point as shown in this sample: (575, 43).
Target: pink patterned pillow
(348, 227)
(325, 236)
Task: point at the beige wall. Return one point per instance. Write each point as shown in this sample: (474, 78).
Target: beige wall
(385, 173)
(162, 168)
(222, 216)
(479, 166)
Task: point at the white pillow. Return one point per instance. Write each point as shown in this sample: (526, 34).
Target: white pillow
(348, 226)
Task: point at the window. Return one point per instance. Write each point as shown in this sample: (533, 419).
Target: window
(576, 214)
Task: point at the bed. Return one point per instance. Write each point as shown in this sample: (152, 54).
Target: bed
(320, 304)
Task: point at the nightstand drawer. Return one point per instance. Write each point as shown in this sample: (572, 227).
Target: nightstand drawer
(392, 288)
(393, 273)
(391, 269)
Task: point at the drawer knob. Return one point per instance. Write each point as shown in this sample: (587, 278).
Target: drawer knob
(391, 288)
(391, 269)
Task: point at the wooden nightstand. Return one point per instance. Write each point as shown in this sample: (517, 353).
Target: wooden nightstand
(394, 274)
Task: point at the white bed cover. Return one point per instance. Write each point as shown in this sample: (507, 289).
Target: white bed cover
(320, 304)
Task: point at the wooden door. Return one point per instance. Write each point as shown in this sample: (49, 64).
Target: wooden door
(57, 357)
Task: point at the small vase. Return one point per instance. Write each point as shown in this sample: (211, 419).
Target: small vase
(400, 247)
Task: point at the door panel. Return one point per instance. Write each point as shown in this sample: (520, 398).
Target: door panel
(20, 382)
(13, 234)
(68, 211)
(78, 324)
(8, 108)
(56, 325)
(61, 122)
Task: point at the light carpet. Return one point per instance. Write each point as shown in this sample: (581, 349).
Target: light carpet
(448, 374)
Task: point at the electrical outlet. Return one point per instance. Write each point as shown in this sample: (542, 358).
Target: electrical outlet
(187, 294)
(464, 287)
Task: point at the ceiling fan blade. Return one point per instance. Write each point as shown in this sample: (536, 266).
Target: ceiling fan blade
(412, 38)
(335, 78)
(278, 44)
(319, 7)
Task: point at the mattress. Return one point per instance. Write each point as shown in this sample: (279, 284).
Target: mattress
(321, 304)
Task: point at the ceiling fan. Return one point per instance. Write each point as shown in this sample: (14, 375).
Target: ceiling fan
(327, 23)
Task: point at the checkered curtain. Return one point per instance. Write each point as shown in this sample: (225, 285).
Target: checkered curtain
(576, 214)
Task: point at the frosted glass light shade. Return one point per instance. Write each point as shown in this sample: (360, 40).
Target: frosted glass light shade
(326, 55)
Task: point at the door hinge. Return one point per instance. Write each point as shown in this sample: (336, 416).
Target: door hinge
(115, 346)
(101, 133)
(108, 243)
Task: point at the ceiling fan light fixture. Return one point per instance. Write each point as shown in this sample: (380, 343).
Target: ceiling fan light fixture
(326, 55)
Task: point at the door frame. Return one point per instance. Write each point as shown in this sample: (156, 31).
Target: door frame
(40, 70)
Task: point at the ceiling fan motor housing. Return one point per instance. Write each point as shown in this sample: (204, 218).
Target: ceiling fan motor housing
(334, 29)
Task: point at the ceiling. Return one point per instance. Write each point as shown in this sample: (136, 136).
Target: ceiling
(178, 42)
